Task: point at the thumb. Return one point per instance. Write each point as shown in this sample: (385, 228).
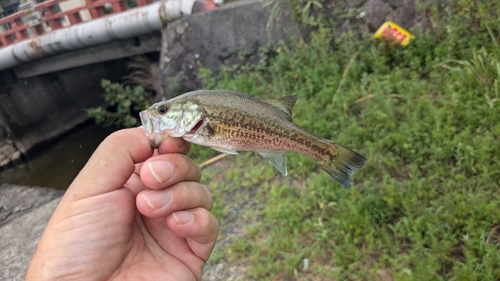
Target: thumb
(112, 163)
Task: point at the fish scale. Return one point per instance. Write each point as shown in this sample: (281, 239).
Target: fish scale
(270, 138)
(229, 122)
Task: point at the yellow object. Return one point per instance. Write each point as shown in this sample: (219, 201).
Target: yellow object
(393, 32)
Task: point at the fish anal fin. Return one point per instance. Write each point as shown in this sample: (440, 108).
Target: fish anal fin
(224, 150)
(285, 104)
(278, 160)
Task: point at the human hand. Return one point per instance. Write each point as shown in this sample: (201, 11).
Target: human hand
(130, 215)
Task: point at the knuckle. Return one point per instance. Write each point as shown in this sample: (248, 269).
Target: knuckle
(191, 194)
(113, 138)
(186, 166)
(204, 220)
(216, 222)
(208, 195)
(181, 192)
(192, 167)
(118, 136)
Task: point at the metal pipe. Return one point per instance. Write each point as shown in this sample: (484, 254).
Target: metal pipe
(128, 24)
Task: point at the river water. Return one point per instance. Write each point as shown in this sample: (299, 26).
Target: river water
(58, 164)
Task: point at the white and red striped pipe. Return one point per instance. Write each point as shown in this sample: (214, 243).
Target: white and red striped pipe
(128, 24)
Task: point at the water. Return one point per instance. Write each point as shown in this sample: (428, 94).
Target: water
(57, 165)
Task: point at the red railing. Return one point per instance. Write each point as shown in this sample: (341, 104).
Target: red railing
(52, 19)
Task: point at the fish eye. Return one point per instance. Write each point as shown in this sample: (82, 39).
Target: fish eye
(162, 109)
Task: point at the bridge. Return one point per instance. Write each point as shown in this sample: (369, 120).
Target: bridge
(53, 55)
(54, 27)
(47, 79)
(34, 20)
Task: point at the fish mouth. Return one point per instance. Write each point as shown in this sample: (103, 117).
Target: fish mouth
(156, 135)
(151, 127)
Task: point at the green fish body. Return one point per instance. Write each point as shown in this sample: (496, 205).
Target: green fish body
(230, 122)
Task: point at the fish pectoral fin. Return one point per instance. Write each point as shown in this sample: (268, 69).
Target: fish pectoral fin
(278, 160)
(224, 150)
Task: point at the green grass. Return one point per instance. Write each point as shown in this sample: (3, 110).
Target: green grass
(428, 120)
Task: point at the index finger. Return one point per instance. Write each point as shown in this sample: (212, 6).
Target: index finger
(174, 145)
(112, 163)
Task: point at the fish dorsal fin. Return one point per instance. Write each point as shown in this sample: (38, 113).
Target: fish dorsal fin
(278, 160)
(284, 103)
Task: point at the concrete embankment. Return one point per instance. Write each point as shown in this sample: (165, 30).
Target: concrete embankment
(24, 212)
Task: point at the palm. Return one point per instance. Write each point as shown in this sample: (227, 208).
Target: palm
(103, 230)
(150, 249)
(133, 246)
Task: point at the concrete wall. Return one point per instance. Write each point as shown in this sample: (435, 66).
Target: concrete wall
(51, 101)
(36, 109)
(217, 38)
(44, 99)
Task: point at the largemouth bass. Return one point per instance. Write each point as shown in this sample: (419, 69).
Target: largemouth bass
(230, 122)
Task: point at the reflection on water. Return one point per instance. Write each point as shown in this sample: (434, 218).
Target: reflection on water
(59, 164)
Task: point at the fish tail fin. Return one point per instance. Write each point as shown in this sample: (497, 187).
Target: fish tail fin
(341, 163)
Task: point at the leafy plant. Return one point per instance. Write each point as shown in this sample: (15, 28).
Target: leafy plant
(427, 201)
(481, 71)
(300, 10)
(126, 102)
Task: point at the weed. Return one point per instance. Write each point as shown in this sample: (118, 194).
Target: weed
(126, 104)
(428, 120)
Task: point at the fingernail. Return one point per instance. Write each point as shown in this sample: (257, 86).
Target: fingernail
(161, 170)
(182, 217)
(157, 199)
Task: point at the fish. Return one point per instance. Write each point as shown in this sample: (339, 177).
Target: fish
(230, 122)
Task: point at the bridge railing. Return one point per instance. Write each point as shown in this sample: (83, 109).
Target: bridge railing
(25, 24)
